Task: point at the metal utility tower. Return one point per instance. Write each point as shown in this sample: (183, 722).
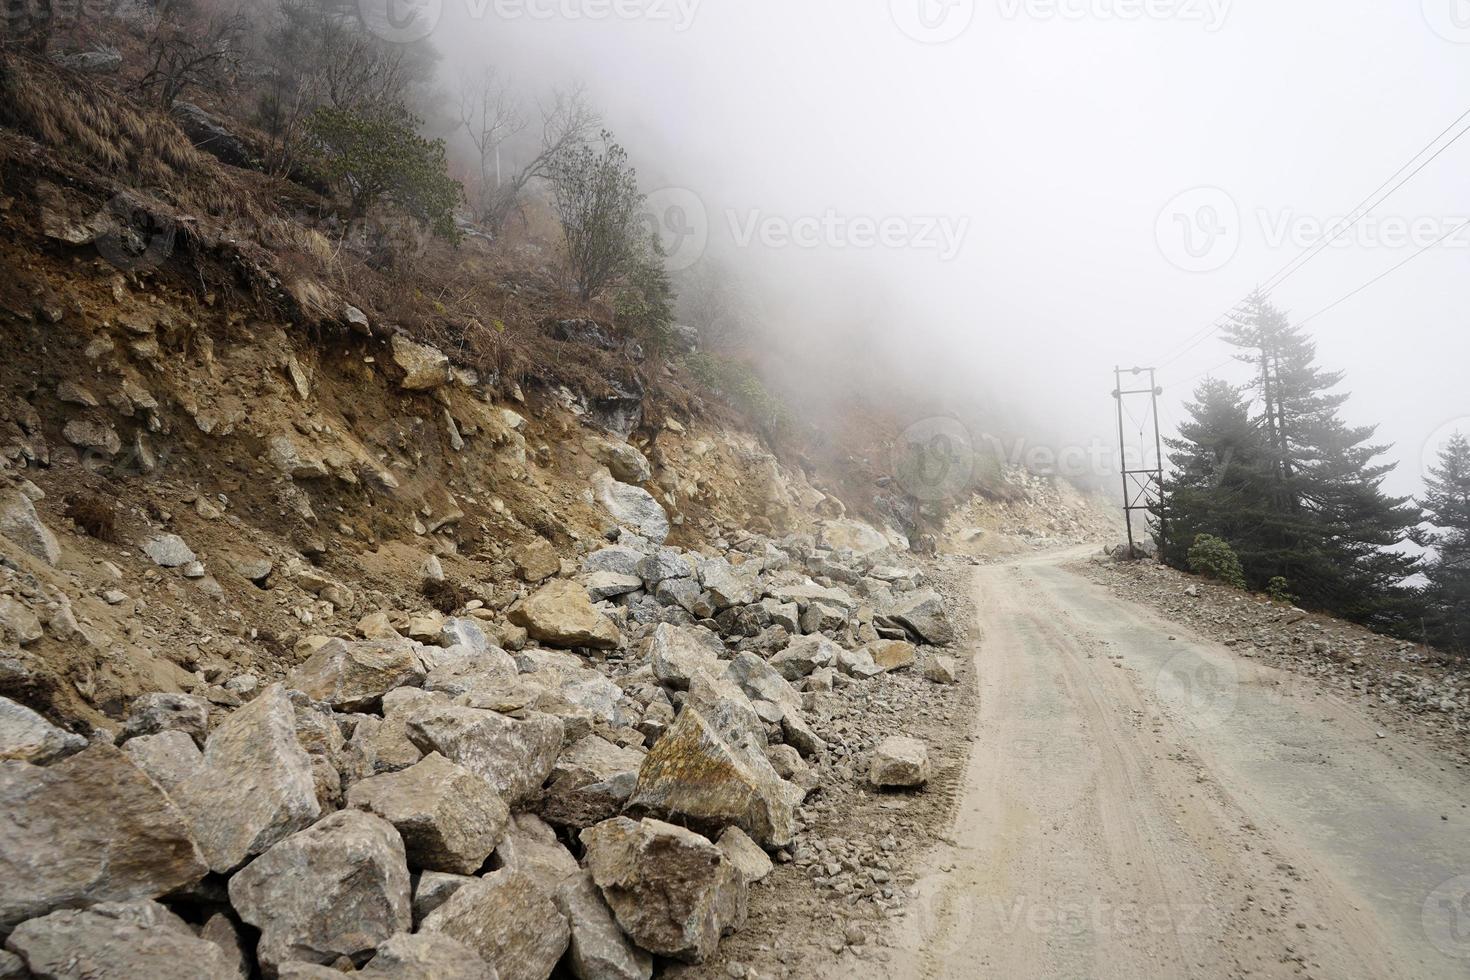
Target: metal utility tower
(1143, 489)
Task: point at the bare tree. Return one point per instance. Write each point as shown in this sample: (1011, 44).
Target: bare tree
(490, 116)
(184, 54)
(567, 123)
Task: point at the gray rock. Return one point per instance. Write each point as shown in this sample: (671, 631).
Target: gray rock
(208, 133)
(857, 663)
(117, 941)
(169, 758)
(163, 712)
(450, 819)
(677, 653)
(804, 655)
(726, 586)
(221, 930)
(20, 523)
(338, 888)
(514, 755)
(168, 551)
(721, 702)
(509, 920)
(671, 890)
(353, 675)
(899, 762)
(923, 614)
(426, 956)
(27, 737)
(700, 777)
(762, 682)
(745, 854)
(599, 950)
(787, 615)
(432, 889)
(90, 828)
(12, 967)
(635, 508)
(820, 617)
(687, 595)
(18, 625)
(608, 585)
(618, 559)
(590, 782)
(256, 786)
(942, 670)
(626, 463)
(530, 845)
(665, 563)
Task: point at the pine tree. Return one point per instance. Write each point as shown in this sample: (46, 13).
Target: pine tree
(1447, 509)
(1219, 481)
(1325, 524)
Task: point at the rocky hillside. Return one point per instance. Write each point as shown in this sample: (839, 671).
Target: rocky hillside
(346, 629)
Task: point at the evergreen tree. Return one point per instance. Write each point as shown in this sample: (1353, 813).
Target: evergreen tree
(1307, 504)
(1219, 482)
(1447, 509)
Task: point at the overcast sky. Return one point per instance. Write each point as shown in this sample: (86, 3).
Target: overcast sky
(1005, 177)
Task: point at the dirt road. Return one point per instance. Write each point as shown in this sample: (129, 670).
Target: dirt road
(1144, 803)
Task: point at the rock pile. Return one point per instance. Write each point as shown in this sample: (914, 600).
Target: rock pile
(423, 801)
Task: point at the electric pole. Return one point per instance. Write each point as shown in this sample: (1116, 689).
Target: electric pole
(1143, 487)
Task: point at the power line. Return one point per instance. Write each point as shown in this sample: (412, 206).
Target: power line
(1296, 264)
(1386, 273)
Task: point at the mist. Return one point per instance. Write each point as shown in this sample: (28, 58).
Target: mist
(993, 204)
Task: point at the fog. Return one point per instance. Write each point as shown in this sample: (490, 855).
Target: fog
(998, 216)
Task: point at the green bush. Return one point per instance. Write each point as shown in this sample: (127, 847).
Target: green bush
(1279, 590)
(1213, 557)
(377, 154)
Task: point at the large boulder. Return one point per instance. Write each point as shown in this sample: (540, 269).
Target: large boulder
(424, 367)
(855, 536)
(256, 786)
(169, 758)
(599, 949)
(117, 941)
(677, 653)
(91, 828)
(617, 559)
(531, 845)
(762, 682)
(697, 775)
(27, 737)
(728, 587)
(750, 860)
(560, 613)
(899, 762)
(338, 888)
(450, 819)
(671, 890)
(804, 655)
(208, 133)
(510, 920)
(892, 654)
(590, 782)
(353, 675)
(20, 523)
(923, 615)
(633, 508)
(721, 703)
(513, 754)
(161, 711)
